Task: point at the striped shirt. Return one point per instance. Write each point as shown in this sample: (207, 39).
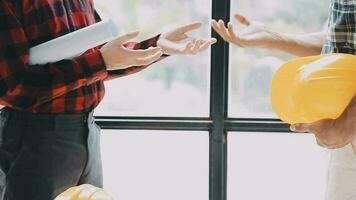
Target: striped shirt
(341, 32)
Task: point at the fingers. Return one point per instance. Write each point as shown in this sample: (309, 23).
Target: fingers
(243, 20)
(144, 57)
(300, 128)
(127, 37)
(224, 32)
(197, 46)
(237, 40)
(148, 59)
(145, 52)
(325, 144)
(338, 146)
(303, 128)
(320, 143)
(331, 144)
(207, 44)
(325, 133)
(230, 29)
(218, 28)
(316, 128)
(227, 33)
(188, 48)
(189, 27)
(221, 29)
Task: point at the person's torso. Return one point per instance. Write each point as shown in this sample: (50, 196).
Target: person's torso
(341, 32)
(44, 20)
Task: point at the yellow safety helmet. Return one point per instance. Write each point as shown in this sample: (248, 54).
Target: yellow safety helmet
(84, 192)
(309, 89)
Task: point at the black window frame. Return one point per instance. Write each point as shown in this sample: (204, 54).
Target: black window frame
(218, 124)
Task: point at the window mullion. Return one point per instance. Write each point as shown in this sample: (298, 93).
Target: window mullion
(218, 108)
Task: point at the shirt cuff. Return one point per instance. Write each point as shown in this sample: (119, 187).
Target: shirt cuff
(94, 65)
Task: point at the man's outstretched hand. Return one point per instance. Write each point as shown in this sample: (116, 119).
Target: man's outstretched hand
(177, 42)
(331, 133)
(253, 34)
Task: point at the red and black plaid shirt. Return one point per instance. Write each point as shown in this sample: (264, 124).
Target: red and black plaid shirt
(67, 86)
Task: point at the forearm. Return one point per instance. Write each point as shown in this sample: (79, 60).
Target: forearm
(299, 45)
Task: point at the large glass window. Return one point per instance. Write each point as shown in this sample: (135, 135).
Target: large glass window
(275, 166)
(156, 165)
(177, 147)
(177, 86)
(251, 70)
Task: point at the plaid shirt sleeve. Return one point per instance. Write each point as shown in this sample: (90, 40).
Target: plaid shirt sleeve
(23, 86)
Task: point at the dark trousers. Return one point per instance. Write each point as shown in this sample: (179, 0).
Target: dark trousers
(42, 155)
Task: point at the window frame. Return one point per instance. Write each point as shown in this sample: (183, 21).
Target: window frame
(218, 124)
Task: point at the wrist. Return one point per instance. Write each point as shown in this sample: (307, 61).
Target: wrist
(157, 42)
(104, 57)
(164, 49)
(277, 41)
(95, 64)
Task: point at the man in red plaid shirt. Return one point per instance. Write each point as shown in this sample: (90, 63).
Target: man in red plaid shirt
(48, 138)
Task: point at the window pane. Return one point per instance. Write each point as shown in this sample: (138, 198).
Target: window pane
(156, 165)
(251, 70)
(275, 166)
(177, 86)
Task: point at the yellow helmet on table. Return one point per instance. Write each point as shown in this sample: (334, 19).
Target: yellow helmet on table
(84, 192)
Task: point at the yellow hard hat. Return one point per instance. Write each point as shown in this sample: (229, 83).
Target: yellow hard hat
(84, 192)
(309, 89)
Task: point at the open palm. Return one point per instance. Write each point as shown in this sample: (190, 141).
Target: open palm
(254, 33)
(177, 41)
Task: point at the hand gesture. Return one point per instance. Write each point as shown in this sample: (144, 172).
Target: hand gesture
(177, 42)
(116, 56)
(254, 34)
